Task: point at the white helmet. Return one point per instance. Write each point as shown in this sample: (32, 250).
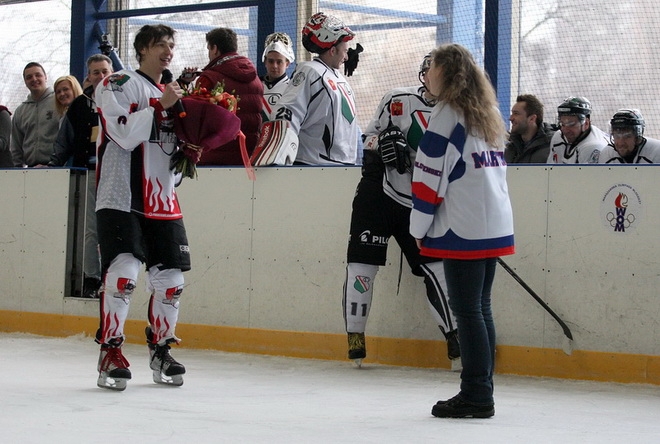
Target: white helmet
(279, 42)
(322, 32)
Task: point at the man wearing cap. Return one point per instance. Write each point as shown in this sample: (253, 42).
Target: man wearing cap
(318, 102)
(278, 55)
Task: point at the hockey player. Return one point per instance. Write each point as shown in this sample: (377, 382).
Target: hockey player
(381, 208)
(278, 55)
(318, 101)
(138, 215)
(627, 141)
(577, 141)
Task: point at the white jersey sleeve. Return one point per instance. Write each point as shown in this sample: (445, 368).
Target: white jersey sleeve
(320, 105)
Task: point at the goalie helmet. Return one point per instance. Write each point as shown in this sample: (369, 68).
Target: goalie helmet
(575, 106)
(322, 32)
(424, 67)
(628, 119)
(279, 42)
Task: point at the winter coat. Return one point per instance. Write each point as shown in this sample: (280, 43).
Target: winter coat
(240, 78)
(534, 151)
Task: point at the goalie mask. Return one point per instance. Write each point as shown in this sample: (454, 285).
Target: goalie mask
(279, 42)
(322, 32)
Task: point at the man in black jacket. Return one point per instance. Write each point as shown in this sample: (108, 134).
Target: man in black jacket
(529, 140)
(76, 143)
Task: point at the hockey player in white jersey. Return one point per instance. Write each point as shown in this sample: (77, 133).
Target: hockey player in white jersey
(627, 141)
(138, 215)
(381, 209)
(318, 101)
(577, 141)
(278, 55)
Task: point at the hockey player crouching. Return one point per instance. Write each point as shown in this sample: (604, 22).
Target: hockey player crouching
(381, 209)
(138, 214)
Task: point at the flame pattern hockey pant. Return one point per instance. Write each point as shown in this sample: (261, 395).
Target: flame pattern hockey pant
(165, 286)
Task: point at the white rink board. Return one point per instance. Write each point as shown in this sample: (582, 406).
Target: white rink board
(272, 255)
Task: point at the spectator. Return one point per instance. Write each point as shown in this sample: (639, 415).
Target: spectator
(381, 208)
(319, 102)
(76, 140)
(66, 89)
(577, 141)
(35, 123)
(240, 78)
(278, 55)
(627, 141)
(5, 137)
(529, 140)
(138, 214)
(462, 214)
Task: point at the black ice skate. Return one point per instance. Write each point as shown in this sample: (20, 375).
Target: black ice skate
(453, 350)
(357, 349)
(166, 370)
(113, 367)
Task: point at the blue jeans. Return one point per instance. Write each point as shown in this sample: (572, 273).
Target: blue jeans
(469, 285)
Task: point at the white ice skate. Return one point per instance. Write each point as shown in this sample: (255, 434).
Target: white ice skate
(113, 368)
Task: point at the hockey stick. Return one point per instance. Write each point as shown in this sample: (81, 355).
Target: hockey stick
(568, 347)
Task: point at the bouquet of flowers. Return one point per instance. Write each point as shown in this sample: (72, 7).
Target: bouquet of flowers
(210, 122)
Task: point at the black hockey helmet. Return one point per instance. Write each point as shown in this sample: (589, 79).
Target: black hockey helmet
(628, 119)
(575, 106)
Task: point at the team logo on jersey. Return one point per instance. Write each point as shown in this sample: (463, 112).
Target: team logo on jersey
(347, 104)
(362, 283)
(396, 108)
(298, 78)
(621, 208)
(114, 82)
(419, 123)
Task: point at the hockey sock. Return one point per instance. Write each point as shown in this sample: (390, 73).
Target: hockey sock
(358, 291)
(166, 287)
(437, 297)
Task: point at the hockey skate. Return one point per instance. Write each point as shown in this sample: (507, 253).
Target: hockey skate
(113, 367)
(454, 350)
(357, 349)
(166, 370)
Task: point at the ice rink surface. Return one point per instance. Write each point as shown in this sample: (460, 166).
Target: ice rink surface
(50, 396)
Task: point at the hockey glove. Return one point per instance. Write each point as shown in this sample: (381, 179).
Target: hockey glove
(393, 148)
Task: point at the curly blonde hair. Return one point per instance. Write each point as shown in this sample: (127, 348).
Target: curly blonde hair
(466, 87)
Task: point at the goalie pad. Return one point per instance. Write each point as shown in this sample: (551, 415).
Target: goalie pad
(277, 145)
(393, 148)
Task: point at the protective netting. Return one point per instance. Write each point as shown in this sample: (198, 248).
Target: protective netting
(556, 48)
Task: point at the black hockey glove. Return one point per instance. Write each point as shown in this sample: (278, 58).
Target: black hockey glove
(353, 58)
(393, 148)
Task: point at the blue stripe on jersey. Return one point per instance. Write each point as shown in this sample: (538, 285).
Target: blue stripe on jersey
(423, 206)
(450, 241)
(433, 144)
